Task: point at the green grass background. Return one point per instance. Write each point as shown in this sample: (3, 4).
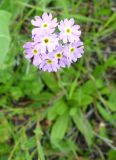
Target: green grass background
(68, 115)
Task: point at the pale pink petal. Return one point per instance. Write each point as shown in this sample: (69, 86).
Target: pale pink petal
(66, 22)
(45, 16)
(71, 22)
(37, 22)
(29, 55)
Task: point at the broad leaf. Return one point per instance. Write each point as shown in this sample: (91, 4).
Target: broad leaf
(59, 128)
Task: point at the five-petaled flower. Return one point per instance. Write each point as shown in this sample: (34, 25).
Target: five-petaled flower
(68, 31)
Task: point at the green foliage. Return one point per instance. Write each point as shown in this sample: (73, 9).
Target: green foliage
(51, 82)
(83, 126)
(70, 114)
(59, 128)
(4, 35)
(58, 108)
(112, 154)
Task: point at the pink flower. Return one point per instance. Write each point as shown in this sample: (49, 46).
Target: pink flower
(31, 51)
(74, 51)
(51, 49)
(45, 24)
(68, 31)
(47, 42)
(49, 64)
(59, 55)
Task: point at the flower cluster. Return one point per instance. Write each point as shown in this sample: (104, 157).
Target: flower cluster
(54, 45)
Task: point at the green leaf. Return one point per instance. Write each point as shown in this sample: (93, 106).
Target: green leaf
(99, 71)
(103, 131)
(4, 129)
(111, 61)
(112, 100)
(4, 35)
(16, 92)
(112, 154)
(82, 98)
(112, 105)
(59, 128)
(89, 87)
(73, 111)
(43, 97)
(30, 143)
(84, 94)
(50, 81)
(84, 126)
(105, 114)
(58, 108)
(67, 146)
(72, 88)
(4, 148)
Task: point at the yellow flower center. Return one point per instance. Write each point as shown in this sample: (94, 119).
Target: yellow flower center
(59, 55)
(68, 30)
(72, 50)
(45, 25)
(49, 61)
(35, 51)
(46, 40)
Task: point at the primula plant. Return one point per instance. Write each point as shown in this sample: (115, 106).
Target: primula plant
(54, 44)
(55, 105)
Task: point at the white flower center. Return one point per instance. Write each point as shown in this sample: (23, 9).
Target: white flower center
(59, 55)
(35, 52)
